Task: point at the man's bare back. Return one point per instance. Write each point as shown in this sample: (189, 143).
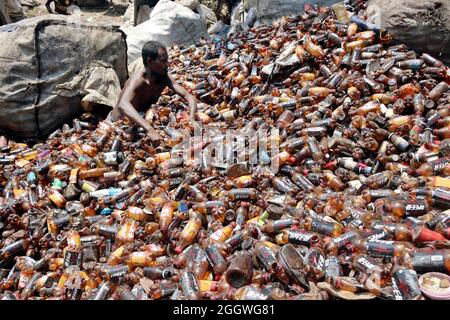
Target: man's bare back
(146, 92)
(145, 86)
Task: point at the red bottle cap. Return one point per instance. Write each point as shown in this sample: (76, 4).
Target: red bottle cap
(178, 249)
(291, 160)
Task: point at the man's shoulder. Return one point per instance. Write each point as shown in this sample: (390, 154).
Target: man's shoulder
(136, 66)
(138, 75)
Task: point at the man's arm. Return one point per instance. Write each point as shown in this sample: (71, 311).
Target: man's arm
(192, 103)
(127, 109)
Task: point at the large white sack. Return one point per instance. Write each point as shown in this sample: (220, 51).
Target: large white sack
(170, 23)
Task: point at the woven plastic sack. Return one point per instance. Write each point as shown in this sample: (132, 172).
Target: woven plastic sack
(44, 52)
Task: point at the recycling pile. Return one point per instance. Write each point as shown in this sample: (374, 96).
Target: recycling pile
(359, 208)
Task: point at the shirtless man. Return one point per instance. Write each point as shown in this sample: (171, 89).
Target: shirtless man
(145, 86)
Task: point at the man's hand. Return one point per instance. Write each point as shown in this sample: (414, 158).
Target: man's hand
(192, 103)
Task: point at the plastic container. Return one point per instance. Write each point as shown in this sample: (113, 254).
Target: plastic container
(434, 294)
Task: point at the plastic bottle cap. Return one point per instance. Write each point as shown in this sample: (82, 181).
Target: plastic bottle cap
(178, 249)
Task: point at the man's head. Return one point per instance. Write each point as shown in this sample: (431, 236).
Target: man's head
(155, 57)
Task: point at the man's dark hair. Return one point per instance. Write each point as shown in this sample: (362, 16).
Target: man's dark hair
(150, 50)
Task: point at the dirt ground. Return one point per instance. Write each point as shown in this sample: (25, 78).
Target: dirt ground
(111, 12)
(108, 13)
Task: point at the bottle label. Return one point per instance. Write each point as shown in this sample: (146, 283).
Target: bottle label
(218, 235)
(175, 182)
(414, 220)
(73, 176)
(252, 294)
(356, 222)
(189, 284)
(86, 187)
(57, 199)
(406, 285)
(332, 267)
(395, 291)
(380, 248)
(303, 182)
(427, 262)
(242, 194)
(23, 280)
(282, 224)
(439, 164)
(315, 259)
(441, 182)
(73, 293)
(214, 256)
(117, 272)
(384, 226)
(345, 239)
(199, 256)
(299, 237)
(207, 285)
(416, 209)
(378, 235)
(287, 170)
(356, 212)
(234, 241)
(213, 204)
(110, 158)
(62, 221)
(267, 258)
(366, 264)
(323, 227)
(381, 193)
(138, 258)
(72, 258)
(382, 180)
(190, 230)
(441, 197)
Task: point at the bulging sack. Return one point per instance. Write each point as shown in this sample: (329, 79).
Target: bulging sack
(423, 26)
(44, 52)
(170, 23)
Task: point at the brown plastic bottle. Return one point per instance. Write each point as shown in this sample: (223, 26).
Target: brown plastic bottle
(298, 237)
(399, 231)
(382, 248)
(427, 260)
(139, 259)
(189, 285)
(275, 226)
(166, 215)
(240, 271)
(336, 244)
(438, 91)
(216, 259)
(242, 194)
(405, 284)
(322, 227)
(188, 234)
